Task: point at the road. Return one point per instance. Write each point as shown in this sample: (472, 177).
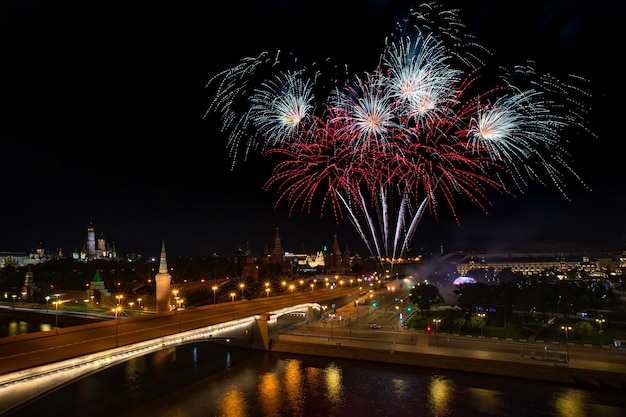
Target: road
(30, 350)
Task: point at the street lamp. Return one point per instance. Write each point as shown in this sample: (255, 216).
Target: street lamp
(232, 296)
(241, 287)
(117, 309)
(600, 321)
(179, 302)
(56, 316)
(175, 292)
(566, 328)
(214, 288)
(47, 301)
(139, 303)
(482, 323)
(437, 321)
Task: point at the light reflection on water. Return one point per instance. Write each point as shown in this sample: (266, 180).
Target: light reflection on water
(16, 327)
(206, 380)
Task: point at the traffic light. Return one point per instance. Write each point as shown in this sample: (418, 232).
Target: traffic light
(428, 328)
(409, 308)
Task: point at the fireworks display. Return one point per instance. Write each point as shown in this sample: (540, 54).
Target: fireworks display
(429, 125)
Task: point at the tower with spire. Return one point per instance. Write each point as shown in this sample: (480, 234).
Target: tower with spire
(277, 252)
(163, 284)
(91, 241)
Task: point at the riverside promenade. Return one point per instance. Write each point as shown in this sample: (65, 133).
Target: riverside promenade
(602, 368)
(590, 373)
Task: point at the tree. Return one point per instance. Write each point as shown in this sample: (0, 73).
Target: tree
(583, 329)
(425, 295)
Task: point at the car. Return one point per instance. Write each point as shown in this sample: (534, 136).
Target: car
(374, 326)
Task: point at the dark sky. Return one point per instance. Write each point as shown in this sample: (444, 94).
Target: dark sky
(102, 110)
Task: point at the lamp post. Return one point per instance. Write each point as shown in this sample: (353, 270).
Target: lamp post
(566, 328)
(482, 323)
(47, 301)
(398, 314)
(600, 321)
(214, 288)
(117, 309)
(139, 303)
(267, 296)
(179, 302)
(437, 321)
(241, 287)
(175, 292)
(232, 296)
(56, 316)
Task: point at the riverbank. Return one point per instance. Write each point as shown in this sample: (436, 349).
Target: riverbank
(589, 374)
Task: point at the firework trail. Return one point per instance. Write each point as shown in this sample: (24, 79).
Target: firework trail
(419, 131)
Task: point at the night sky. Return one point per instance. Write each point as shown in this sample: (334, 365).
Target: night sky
(102, 118)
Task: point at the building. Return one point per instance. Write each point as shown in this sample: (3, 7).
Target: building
(100, 249)
(535, 263)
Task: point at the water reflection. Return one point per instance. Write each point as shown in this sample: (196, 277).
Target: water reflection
(333, 383)
(293, 387)
(233, 404)
(17, 327)
(441, 392)
(571, 403)
(206, 380)
(485, 400)
(269, 394)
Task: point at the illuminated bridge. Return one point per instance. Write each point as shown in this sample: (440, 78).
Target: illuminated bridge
(37, 363)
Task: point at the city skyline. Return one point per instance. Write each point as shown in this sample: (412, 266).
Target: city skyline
(103, 118)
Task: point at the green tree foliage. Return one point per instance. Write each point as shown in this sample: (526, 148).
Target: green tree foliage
(425, 295)
(476, 297)
(583, 329)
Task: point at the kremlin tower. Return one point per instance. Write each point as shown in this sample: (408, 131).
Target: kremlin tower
(163, 282)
